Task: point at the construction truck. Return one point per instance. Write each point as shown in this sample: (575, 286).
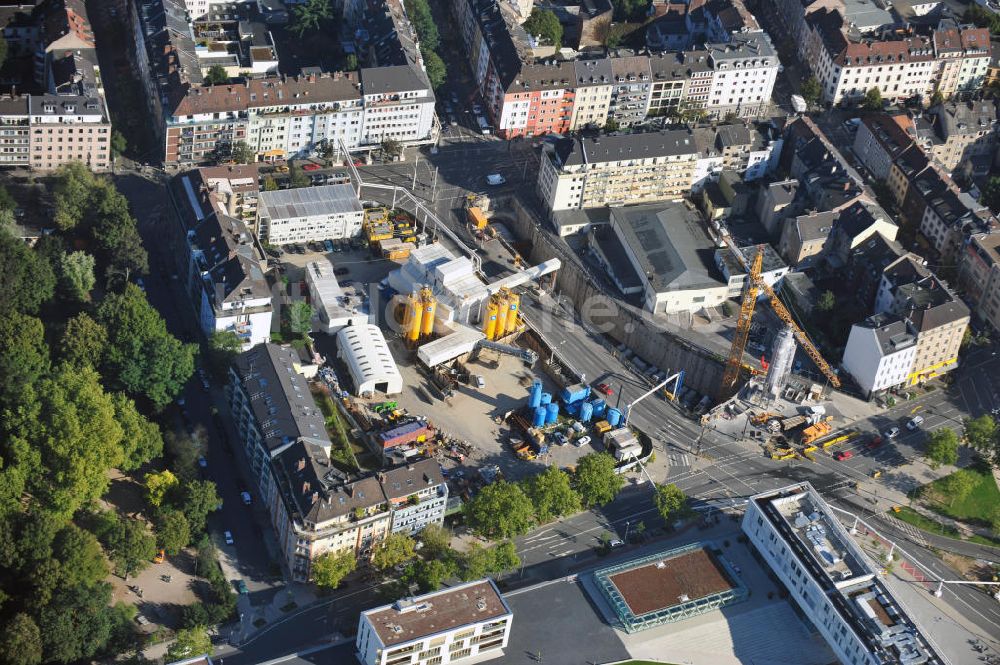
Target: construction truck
(810, 417)
(761, 418)
(817, 431)
(477, 219)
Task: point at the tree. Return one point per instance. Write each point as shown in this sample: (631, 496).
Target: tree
(611, 125)
(126, 257)
(270, 184)
(190, 642)
(24, 356)
(436, 540)
(552, 494)
(80, 557)
(505, 558)
(141, 440)
(826, 301)
(198, 498)
(429, 574)
(351, 62)
(670, 501)
(595, 479)
(873, 100)
(141, 356)
(423, 23)
(216, 75)
(119, 144)
(28, 279)
(500, 510)
(173, 533)
(223, 347)
(129, 545)
(72, 195)
(545, 24)
(330, 568)
(77, 624)
(942, 447)
(480, 561)
(437, 71)
(83, 342)
(70, 421)
(20, 641)
(391, 148)
(959, 485)
(937, 98)
(981, 433)
(811, 91)
(159, 485)
(397, 548)
(297, 177)
(308, 16)
(76, 272)
(243, 153)
(300, 315)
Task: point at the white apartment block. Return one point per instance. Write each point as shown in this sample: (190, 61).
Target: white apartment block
(832, 580)
(199, 8)
(880, 352)
(309, 213)
(745, 71)
(464, 623)
(398, 104)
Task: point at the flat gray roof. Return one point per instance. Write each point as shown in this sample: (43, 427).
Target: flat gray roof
(308, 202)
(671, 245)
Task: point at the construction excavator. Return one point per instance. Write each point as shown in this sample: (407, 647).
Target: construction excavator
(754, 285)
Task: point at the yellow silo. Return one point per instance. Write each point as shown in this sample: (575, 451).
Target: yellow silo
(513, 311)
(490, 319)
(429, 306)
(502, 297)
(412, 320)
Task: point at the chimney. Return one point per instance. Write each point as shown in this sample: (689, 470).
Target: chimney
(301, 465)
(306, 487)
(314, 497)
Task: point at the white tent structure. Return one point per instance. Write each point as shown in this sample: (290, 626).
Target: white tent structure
(363, 349)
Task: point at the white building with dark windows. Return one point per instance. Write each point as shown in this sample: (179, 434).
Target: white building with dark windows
(462, 624)
(398, 104)
(880, 352)
(746, 68)
(309, 213)
(832, 580)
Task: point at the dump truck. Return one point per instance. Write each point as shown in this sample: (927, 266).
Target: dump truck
(817, 431)
(810, 417)
(476, 217)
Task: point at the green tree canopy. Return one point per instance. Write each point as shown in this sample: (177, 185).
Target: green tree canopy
(981, 433)
(28, 279)
(142, 440)
(397, 548)
(826, 302)
(437, 71)
(479, 561)
(141, 356)
(77, 624)
(159, 485)
(308, 16)
(216, 75)
(173, 533)
(552, 494)
(297, 177)
(243, 153)
(670, 501)
(83, 341)
(76, 275)
(811, 90)
(430, 573)
(128, 543)
(190, 642)
(119, 144)
(545, 24)
(595, 479)
(80, 557)
(24, 356)
(300, 315)
(873, 100)
(942, 447)
(423, 23)
(330, 568)
(198, 498)
(500, 510)
(391, 148)
(959, 485)
(270, 185)
(351, 62)
(72, 195)
(436, 540)
(20, 641)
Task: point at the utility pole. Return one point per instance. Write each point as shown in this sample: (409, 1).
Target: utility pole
(416, 160)
(434, 186)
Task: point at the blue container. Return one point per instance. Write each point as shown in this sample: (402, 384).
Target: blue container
(613, 416)
(552, 413)
(535, 395)
(575, 393)
(572, 409)
(600, 406)
(586, 412)
(546, 399)
(538, 417)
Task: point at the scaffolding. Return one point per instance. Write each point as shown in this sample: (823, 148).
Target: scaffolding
(632, 623)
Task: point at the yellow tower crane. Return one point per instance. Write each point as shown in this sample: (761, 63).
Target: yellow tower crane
(755, 283)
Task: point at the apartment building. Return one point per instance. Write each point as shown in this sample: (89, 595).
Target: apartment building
(465, 623)
(592, 102)
(832, 580)
(745, 69)
(541, 101)
(316, 507)
(962, 136)
(939, 319)
(656, 166)
(979, 276)
(398, 104)
(630, 94)
(309, 213)
(880, 138)
(219, 267)
(880, 353)
(672, 77)
(948, 220)
(805, 236)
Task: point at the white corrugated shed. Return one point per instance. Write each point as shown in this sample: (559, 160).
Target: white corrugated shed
(364, 351)
(449, 347)
(334, 307)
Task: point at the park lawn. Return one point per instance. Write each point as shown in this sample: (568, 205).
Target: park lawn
(977, 507)
(910, 516)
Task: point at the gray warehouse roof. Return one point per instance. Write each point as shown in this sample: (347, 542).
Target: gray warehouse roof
(671, 245)
(308, 202)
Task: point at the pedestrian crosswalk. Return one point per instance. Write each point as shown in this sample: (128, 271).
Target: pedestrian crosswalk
(912, 533)
(678, 459)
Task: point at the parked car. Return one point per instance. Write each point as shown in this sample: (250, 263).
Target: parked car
(480, 381)
(495, 179)
(616, 543)
(241, 586)
(247, 499)
(875, 442)
(843, 455)
(582, 441)
(202, 462)
(228, 535)
(914, 423)
(891, 433)
(605, 389)
(311, 167)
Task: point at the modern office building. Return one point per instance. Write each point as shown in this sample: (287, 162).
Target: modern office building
(832, 580)
(465, 623)
(309, 213)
